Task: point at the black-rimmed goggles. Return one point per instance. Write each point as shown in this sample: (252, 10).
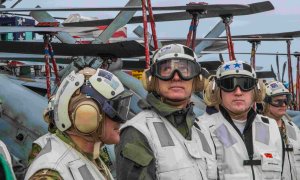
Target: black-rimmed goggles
(117, 108)
(287, 99)
(229, 84)
(165, 69)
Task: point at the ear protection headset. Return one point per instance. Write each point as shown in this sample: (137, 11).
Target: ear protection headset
(149, 82)
(235, 68)
(85, 114)
(83, 99)
(172, 51)
(275, 88)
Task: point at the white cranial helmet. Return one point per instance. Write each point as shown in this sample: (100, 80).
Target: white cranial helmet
(234, 68)
(275, 88)
(174, 51)
(101, 86)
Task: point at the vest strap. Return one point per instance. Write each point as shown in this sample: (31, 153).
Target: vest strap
(252, 162)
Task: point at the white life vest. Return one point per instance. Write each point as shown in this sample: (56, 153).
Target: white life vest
(232, 155)
(176, 157)
(291, 169)
(42, 141)
(61, 157)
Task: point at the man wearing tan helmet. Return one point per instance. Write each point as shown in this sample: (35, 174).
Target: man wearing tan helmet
(275, 105)
(88, 109)
(248, 145)
(162, 141)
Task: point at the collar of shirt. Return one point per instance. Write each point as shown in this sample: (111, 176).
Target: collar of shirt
(180, 118)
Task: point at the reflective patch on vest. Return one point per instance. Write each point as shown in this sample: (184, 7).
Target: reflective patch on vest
(262, 133)
(46, 149)
(204, 142)
(85, 173)
(2, 152)
(291, 132)
(163, 134)
(224, 136)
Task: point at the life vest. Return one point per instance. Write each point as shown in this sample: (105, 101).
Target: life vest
(291, 169)
(5, 163)
(233, 159)
(69, 163)
(176, 157)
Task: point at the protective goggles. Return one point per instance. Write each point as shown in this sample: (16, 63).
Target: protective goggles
(117, 108)
(165, 69)
(229, 84)
(279, 102)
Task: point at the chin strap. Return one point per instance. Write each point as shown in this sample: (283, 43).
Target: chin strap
(95, 139)
(96, 152)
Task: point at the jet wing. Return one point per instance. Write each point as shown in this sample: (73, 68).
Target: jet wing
(13, 29)
(272, 35)
(123, 49)
(183, 15)
(210, 65)
(265, 74)
(187, 7)
(34, 58)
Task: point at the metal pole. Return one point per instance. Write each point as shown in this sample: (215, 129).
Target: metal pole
(290, 74)
(196, 21)
(152, 22)
(298, 83)
(51, 52)
(190, 33)
(47, 66)
(277, 64)
(253, 51)
(227, 20)
(146, 43)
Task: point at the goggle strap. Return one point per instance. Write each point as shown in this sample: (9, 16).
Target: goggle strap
(106, 107)
(214, 87)
(258, 86)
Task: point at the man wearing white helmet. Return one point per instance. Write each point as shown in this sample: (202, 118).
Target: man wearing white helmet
(275, 105)
(248, 145)
(162, 141)
(88, 109)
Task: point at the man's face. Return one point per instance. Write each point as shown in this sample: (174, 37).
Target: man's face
(111, 133)
(278, 112)
(175, 89)
(237, 101)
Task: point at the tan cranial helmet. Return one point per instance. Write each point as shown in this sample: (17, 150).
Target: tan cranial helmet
(84, 99)
(170, 59)
(230, 75)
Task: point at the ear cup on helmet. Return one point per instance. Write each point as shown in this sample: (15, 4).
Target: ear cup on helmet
(87, 117)
(145, 79)
(148, 81)
(260, 92)
(199, 83)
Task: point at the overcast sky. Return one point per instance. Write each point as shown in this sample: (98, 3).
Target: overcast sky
(285, 17)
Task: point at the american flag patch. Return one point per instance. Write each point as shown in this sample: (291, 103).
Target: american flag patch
(274, 85)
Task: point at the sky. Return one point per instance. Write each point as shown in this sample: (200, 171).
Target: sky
(285, 18)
